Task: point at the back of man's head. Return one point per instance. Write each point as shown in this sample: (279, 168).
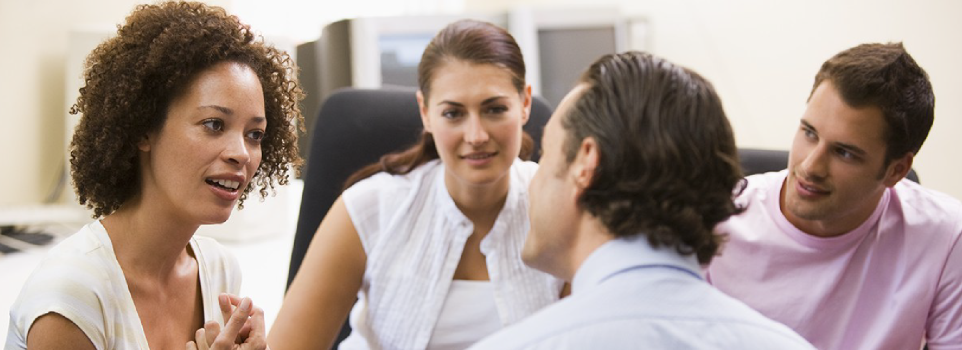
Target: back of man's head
(885, 76)
(668, 161)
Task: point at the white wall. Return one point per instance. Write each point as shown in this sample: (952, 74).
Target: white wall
(34, 42)
(762, 57)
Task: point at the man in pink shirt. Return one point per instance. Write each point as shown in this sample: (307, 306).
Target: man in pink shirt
(838, 246)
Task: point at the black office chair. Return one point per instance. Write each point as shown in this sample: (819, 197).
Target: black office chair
(354, 128)
(757, 161)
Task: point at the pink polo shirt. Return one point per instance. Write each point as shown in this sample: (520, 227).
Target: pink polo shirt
(892, 283)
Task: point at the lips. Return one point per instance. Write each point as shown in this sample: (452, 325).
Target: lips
(806, 189)
(229, 185)
(226, 187)
(479, 155)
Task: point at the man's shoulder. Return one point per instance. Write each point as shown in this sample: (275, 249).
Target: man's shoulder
(623, 315)
(926, 200)
(762, 183)
(922, 209)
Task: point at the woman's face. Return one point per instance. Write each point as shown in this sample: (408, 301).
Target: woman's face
(209, 148)
(475, 114)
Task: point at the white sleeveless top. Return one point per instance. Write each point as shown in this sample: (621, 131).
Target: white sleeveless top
(81, 280)
(468, 315)
(413, 235)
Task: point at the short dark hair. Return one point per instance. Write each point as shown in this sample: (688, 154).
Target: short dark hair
(131, 79)
(885, 76)
(668, 162)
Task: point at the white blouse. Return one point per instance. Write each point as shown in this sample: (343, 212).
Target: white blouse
(413, 235)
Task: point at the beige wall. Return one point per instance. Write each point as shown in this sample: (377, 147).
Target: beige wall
(762, 57)
(34, 41)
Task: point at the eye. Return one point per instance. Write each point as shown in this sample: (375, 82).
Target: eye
(215, 125)
(497, 109)
(256, 135)
(844, 153)
(451, 113)
(809, 133)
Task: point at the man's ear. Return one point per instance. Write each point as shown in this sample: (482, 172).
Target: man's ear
(423, 108)
(582, 169)
(898, 169)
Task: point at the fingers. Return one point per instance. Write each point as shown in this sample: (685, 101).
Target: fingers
(227, 303)
(237, 320)
(191, 345)
(212, 329)
(257, 325)
(200, 337)
(258, 333)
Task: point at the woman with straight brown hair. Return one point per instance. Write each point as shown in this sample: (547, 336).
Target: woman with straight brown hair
(428, 239)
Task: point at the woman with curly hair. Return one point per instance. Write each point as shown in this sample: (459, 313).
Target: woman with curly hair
(428, 240)
(184, 113)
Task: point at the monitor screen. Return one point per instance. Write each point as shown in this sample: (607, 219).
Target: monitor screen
(400, 54)
(566, 52)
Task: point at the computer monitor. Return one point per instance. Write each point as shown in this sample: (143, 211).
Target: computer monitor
(371, 52)
(559, 44)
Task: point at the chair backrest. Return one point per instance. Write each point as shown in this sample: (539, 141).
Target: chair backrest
(757, 161)
(354, 128)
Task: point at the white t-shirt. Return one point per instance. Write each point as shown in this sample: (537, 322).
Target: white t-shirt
(413, 235)
(891, 283)
(81, 280)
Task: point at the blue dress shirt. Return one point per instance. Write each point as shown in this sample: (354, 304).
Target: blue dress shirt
(629, 295)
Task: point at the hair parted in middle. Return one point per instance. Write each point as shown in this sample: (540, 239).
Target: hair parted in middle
(471, 41)
(668, 163)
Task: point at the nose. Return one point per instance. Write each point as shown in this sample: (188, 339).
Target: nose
(475, 133)
(814, 165)
(236, 151)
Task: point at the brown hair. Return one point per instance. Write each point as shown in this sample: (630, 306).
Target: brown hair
(130, 80)
(885, 76)
(465, 40)
(668, 162)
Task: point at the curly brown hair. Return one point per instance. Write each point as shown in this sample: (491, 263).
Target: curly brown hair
(131, 79)
(668, 163)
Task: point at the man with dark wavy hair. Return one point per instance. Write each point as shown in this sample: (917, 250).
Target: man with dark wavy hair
(639, 166)
(838, 246)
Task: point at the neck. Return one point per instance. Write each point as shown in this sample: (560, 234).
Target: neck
(480, 203)
(148, 242)
(830, 226)
(590, 235)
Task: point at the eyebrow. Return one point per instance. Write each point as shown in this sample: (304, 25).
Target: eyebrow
(486, 101)
(847, 146)
(228, 111)
(221, 109)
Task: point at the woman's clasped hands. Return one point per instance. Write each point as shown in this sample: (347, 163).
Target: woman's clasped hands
(244, 329)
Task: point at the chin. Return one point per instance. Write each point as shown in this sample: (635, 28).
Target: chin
(215, 218)
(807, 211)
(531, 257)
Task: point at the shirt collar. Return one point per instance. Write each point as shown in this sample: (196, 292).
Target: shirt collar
(621, 254)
